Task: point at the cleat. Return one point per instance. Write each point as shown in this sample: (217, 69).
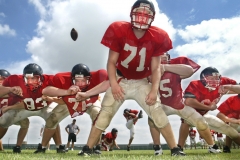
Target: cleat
(180, 147)
(158, 150)
(176, 151)
(61, 149)
(17, 149)
(128, 148)
(66, 150)
(86, 151)
(40, 149)
(214, 149)
(140, 114)
(97, 149)
(226, 149)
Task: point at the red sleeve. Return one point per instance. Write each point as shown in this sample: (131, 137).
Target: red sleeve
(192, 88)
(61, 80)
(225, 80)
(187, 61)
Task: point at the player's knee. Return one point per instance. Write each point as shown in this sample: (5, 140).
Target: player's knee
(150, 123)
(231, 132)
(104, 118)
(24, 123)
(95, 111)
(52, 121)
(201, 124)
(159, 117)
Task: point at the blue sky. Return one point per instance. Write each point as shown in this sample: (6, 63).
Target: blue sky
(39, 31)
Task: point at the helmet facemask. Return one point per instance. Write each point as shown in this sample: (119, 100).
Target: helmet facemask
(33, 82)
(142, 16)
(165, 58)
(212, 81)
(81, 81)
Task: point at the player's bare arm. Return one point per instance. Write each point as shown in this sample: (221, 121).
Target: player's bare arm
(155, 78)
(184, 71)
(53, 99)
(226, 119)
(229, 89)
(6, 90)
(102, 87)
(19, 105)
(54, 91)
(194, 103)
(117, 90)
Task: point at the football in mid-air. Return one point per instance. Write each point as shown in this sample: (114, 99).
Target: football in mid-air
(74, 34)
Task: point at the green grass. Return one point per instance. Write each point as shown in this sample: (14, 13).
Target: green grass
(199, 154)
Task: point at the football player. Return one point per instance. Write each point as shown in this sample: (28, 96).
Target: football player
(134, 54)
(229, 112)
(3, 100)
(131, 116)
(25, 100)
(109, 140)
(192, 135)
(203, 95)
(79, 90)
(220, 139)
(170, 90)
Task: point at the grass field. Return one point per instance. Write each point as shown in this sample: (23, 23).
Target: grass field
(120, 155)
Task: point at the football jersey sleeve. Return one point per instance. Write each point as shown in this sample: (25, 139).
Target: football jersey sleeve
(224, 108)
(225, 80)
(192, 88)
(187, 61)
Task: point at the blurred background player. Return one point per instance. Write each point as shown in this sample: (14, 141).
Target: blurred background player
(131, 117)
(192, 135)
(109, 140)
(72, 130)
(219, 139)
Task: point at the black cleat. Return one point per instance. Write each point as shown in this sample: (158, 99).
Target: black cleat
(86, 151)
(61, 149)
(40, 149)
(17, 149)
(180, 147)
(226, 149)
(176, 151)
(140, 114)
(158, 150)
(97, 149)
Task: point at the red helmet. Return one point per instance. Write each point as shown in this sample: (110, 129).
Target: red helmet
(142, 14)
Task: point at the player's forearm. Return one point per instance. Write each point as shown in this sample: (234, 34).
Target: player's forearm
(191, 102)
(233, 88)
(102, 87)
(183, 70)
(156, 73)
(4, 91)
(54, 92)
(223, 117)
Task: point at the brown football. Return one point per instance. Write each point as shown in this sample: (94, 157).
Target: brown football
(74, 34)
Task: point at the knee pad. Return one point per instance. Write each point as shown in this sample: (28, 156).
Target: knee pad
(150, 123)
(94, 113)
(52, 121)
(201, 124)
(24, 123)
(109, 108)
(159, 117)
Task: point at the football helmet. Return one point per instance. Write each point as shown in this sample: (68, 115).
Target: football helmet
(165, 58)
(210, 78)
(142, 14)
(3, 75)
(81, 71)
(33, 70)
(126, 110)
(114, 130)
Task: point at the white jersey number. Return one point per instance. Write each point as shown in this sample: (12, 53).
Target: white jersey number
(31, 105)
(162, 88)
(4, 103)
(133, 50)
(76, 103)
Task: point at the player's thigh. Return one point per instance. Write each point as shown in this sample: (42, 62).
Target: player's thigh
(94, 110)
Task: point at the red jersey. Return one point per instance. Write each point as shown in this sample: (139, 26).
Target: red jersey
(64, 81)
(135, 54)
(230, 107)
(3, 103)
(219, 135)
(109, 137)
(32, 99)
(135, 112)
(170, 85)
(202, 93)
(192, 133)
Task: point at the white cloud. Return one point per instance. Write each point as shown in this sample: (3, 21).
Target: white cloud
(6, 30)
